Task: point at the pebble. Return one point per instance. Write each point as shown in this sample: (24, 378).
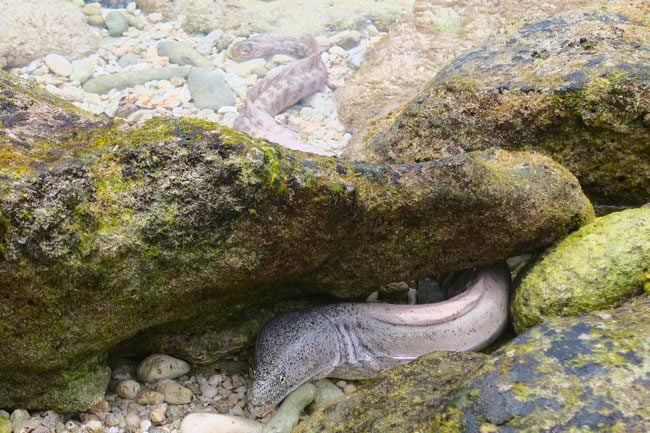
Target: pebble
(208, 391)
(158, 413)
(128, 59)
(132, 419)
(5, 424)
(326, 392)
(96, 20)
(209, 89)
(92, 9)
(148, 396)
(121, 80)
(127, 389)
(246, 68)
(208, 42)
(288, 414)
(117, 23)
(181, 53)
(19, 419)
(58, 64)
(174, 393)
(217, 423)
(349, 389)
(94, 427)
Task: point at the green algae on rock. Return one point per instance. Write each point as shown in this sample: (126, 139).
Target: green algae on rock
(599, 266)
(586, 374)
(575, 87)
(398, 400)
(108, 231)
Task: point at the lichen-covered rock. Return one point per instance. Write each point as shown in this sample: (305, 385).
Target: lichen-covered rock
(600, 266)
(586, 374)
(106, 231)
(399, 399)
(33, 28)
(575, 86)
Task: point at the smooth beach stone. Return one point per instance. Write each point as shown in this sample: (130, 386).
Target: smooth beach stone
(149, 397)
(209, 41)
(117, 23)
(122, 80)
(96, 20)
(5, 425)
(174, 393)
(58, 64)
(135, 22)
(209, 89)
(288, 414)
(127, 389)
(81, 71)
(128, 59)
(161, 367)
(182, 53)
(326, 392)
(601, 265)
(19, 419)
(215, 423)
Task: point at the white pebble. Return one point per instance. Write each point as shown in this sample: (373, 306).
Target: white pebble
(216, 423)
(349, 388)
(58, 64)
(160, 367)
(145, 424)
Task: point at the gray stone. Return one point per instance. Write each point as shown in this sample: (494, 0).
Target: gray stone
(209, 89)
(174, 393)
(58, 64)
(128, 59)
(182, 53)
(127, 389)
(135, 22)
(326, 392)
(81, 71)
(286, 418)
(122, 80)
(19, 418)
(161, 367)
(209, 41)
(117, 23)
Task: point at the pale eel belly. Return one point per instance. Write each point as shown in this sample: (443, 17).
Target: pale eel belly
(359, 340)
(280, 88)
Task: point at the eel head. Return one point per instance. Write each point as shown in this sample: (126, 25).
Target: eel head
(291, 350)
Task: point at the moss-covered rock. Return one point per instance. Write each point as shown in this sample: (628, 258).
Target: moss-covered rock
(398, 400)
(575, 87)
(582, 374)
(108, 231)
(600, 266)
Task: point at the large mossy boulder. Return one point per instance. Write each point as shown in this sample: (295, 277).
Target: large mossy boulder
(107, 231)
(597, 267)
(582, 374)
(575, 86)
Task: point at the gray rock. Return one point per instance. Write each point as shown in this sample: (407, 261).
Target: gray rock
(326, 392)
(209, 89)
(127, 389)
(122, 80)
(174, 393)
(96, 20)
(286, 418)
(135, 22)
(117, 23)
(81, 71)
(182, 53)
(208, 41)
(128, 59)
(159, 367)
(19, 419)
(58, 64)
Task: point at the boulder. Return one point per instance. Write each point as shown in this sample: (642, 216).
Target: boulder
(585, 373)
(600, 266)
(33, 28)
(107, 231)
(574, 86)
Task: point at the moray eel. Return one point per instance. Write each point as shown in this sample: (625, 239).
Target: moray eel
(282, 87)
(359, 340)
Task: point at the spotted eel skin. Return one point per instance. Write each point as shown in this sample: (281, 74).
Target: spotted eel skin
(358, 340)
(282, 87)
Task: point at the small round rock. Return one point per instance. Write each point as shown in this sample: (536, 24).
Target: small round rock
(58, 64)
(161, 367)
(127, 389)
(216, 423)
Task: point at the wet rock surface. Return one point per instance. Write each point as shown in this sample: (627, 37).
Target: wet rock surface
(600, 266)
(138, 222)
(573, 86)
(587, 372)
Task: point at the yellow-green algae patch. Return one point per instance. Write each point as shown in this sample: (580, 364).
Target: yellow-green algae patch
(599, 266)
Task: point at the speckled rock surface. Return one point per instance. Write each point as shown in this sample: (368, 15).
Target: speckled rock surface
(599, 266)
(575, 86)
(398, 400)
(180, 219)
(586, 374)
(33, 28)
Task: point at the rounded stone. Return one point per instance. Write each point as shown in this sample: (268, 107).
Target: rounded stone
(174, 393)
(161, 367)
(149, 396)
(58, 64)
(127, 389)
(116, 23)
(92, 9)
(216, 423)
(96, 20)
(209, 89)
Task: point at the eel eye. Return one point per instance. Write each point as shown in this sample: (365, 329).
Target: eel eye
(281, 379)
